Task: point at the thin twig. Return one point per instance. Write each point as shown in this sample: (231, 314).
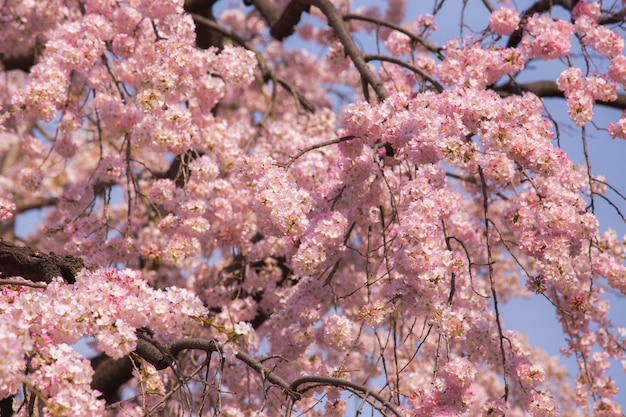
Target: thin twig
(317, 146)
(415, 38)
(410, 67)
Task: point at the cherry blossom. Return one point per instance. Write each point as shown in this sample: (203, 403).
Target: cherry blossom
(250, 208)
(546, 38)
(504, 21)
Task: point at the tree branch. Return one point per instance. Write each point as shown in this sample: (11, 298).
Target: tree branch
(415, 38)
(266, 9)
(342, 383)
(21, 62)
(550, 89)
(113, 373)
(281, 26)
(335, 20)
(35, 266)
(412, 68)
(289, 19)
(617, 17)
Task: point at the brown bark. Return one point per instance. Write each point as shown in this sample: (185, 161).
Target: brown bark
(550, 89)
(36, 266)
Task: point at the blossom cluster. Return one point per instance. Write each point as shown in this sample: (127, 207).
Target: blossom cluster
(321, 245)
(581, 93)
(108, 305)
(62, 377)
(307, 230)
(7, 207)
(547, 38)
(504, 21)
(452, 396)
(599, 38)
(287, 213)
(477, 67)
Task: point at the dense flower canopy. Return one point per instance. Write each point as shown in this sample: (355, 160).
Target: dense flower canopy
(238, 226)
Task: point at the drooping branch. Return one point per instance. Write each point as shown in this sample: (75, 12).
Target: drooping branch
(36, 266)
(414, 38)
(617, 17)
(110, 372)
(359, 389)
(412, 68)
(550, 89)
(317, 146)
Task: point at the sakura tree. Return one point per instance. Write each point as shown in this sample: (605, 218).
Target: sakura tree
(275, 207)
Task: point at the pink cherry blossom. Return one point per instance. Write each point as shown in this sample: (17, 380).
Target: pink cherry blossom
(264, 207)
(7, 207)
(504, 21)
(547, 38)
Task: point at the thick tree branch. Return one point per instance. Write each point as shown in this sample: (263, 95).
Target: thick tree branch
(288, 19)
(335, 20)
(266, 9)
(204, 38)
(291, 16)
(617, 17)
(550, 89)
(110, 374)
(282, 25)
(35, 266)
(21, 62)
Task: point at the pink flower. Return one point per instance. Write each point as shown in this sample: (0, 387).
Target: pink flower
(607, 408)
(584, 8)
(321, 244)
(617, 70)
(618, 130)
(494, 408)
(242, 328)
(458, 372)
(338, 331)
(504, 21)
(162, 191)
(7, 207)
(547, 38)
(543, 405)
(395, 11)
(477, 67)
(398, 43)
(236, 65)
(598, 37)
